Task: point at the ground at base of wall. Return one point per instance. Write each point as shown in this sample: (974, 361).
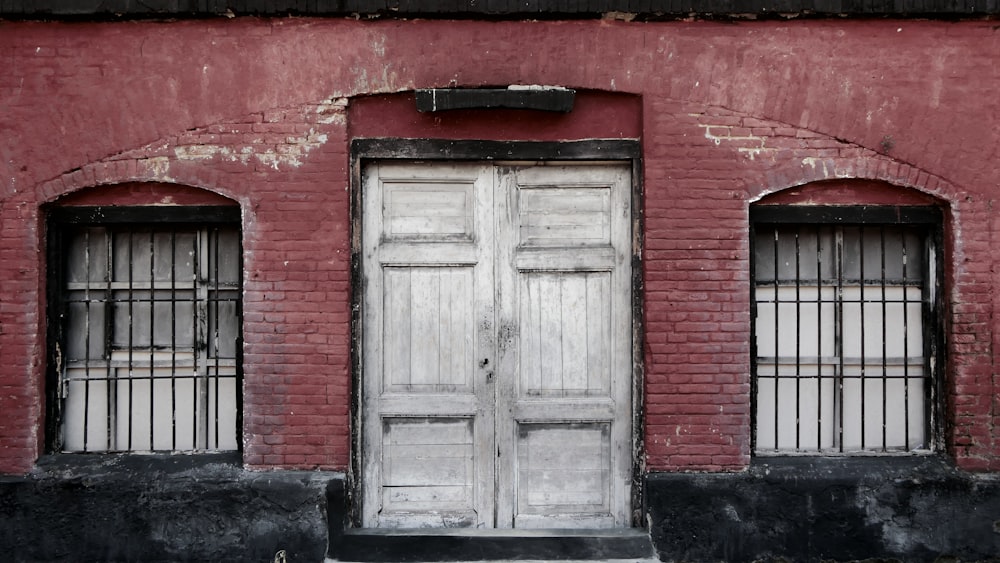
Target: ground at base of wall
(881, 560)
(655, 560)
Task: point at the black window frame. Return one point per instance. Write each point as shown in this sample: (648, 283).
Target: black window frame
(930, 221)
(59, 221)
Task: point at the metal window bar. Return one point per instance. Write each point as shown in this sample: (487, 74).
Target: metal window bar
(140, 356)
(861, 329)
(198, 315)
(906, 324)
(173, 338)
(863, 381)
(819, 333)
(109, 331)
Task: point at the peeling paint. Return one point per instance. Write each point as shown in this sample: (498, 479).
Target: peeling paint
(158, 167)
(333, 112)
(290, 153)
(719, 133)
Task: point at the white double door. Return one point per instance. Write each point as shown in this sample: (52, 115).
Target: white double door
(497, 368)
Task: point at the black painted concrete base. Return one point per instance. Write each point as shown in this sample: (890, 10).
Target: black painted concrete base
(198, 508)
(807, 509)
(163, 508)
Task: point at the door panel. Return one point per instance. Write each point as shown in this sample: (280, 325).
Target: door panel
(428, 332)
(429, 472)
(429, 306)
(564, 475)
(497, 345)
(564, 327)
(564, 289)
(575, 216)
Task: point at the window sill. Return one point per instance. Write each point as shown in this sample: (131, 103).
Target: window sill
(903, 465)
(68, 464)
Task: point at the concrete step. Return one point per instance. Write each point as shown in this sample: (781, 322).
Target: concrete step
(627, 545)
(633, 560)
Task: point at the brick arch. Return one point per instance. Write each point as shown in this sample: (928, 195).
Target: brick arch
(849, 191)
(874, 167)
(139, 169)
(144, 193)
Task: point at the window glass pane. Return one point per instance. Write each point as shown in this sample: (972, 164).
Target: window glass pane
(763, 254)
(226, 253)
(223, 326)
(87, 256)
(185, 255)
(164, 264)
(850, 256)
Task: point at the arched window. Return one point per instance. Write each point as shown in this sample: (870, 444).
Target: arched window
(144, 319)
(846, 332)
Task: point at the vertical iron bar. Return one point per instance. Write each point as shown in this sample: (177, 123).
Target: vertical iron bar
(777, 338)
(839, 335)
(86, 354)
(906, 347)
(238, 341)
(885, 346)
(862, 381)
(173, 339)
(152, 336)
(214, 261)
(109, 331)
(196, 337)
(131, 301)
(798, 345)
(819, 339)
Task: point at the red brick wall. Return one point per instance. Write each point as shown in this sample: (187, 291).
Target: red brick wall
(256, 111)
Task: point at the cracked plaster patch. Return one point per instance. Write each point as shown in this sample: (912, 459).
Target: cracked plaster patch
(290, 153)
(830, 169)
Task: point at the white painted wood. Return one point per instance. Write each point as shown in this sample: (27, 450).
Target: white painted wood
(560, 215)
(428, 210)
(563, 475)
(427, 404)
(565, 348)
(428, 328)
(429, 474)
(497, 345)
(564, 326)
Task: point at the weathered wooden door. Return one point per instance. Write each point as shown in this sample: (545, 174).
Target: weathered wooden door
(497, 345)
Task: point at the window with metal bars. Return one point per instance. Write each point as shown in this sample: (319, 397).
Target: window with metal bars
(145, 329)
(845, 330)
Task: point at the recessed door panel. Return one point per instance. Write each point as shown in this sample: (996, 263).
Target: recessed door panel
(428, 329)
(564, 475)
(565, 321)
(429, 472)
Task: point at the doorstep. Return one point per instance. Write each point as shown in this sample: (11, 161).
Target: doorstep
(378, 545)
